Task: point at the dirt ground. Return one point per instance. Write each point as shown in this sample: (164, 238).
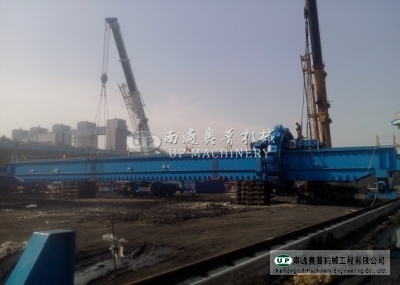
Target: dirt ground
(189, 227)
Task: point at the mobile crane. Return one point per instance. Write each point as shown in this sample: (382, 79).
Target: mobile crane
(134, 103)
(318, 119)
(311, 19)
(132, 97)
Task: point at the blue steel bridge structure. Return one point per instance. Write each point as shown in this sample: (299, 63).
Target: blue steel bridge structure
(280, 160)
(11, 151)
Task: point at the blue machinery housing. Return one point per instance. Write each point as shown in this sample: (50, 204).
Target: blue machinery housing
(48, 259)
(279, 159)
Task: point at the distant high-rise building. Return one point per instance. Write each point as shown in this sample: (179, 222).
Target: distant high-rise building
(37, 131)
(60, 128)
(84, 126)
(19, 135)
(85, 135)
(116, 133)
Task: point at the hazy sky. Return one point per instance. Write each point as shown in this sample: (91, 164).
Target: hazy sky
(199, 64)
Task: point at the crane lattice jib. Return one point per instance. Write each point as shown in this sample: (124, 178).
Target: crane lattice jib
(311, 14)
(125, 95)
(309, 91)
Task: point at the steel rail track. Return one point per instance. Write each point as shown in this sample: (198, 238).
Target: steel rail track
(200, 268)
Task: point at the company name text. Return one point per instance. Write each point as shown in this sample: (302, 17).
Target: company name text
(217, 153)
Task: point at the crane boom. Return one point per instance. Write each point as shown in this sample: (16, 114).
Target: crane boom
(135, 101)
(311, 13)
(309, 93)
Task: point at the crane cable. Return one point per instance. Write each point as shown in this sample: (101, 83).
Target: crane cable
(308, 126)
(303, 103)
(106, 44)
(103, 93)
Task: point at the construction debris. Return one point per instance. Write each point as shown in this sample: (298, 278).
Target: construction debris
(116, 248)
(215, 205)
(10, 247)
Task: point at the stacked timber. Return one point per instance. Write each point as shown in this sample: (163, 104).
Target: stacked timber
(73, 190)
(250, 192)
(70, 191)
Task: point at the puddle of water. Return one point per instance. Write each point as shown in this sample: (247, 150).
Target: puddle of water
(106, 267)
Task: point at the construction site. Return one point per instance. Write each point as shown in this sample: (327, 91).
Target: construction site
(132, 211)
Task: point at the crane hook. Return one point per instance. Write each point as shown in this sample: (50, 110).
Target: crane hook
(104, 79)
